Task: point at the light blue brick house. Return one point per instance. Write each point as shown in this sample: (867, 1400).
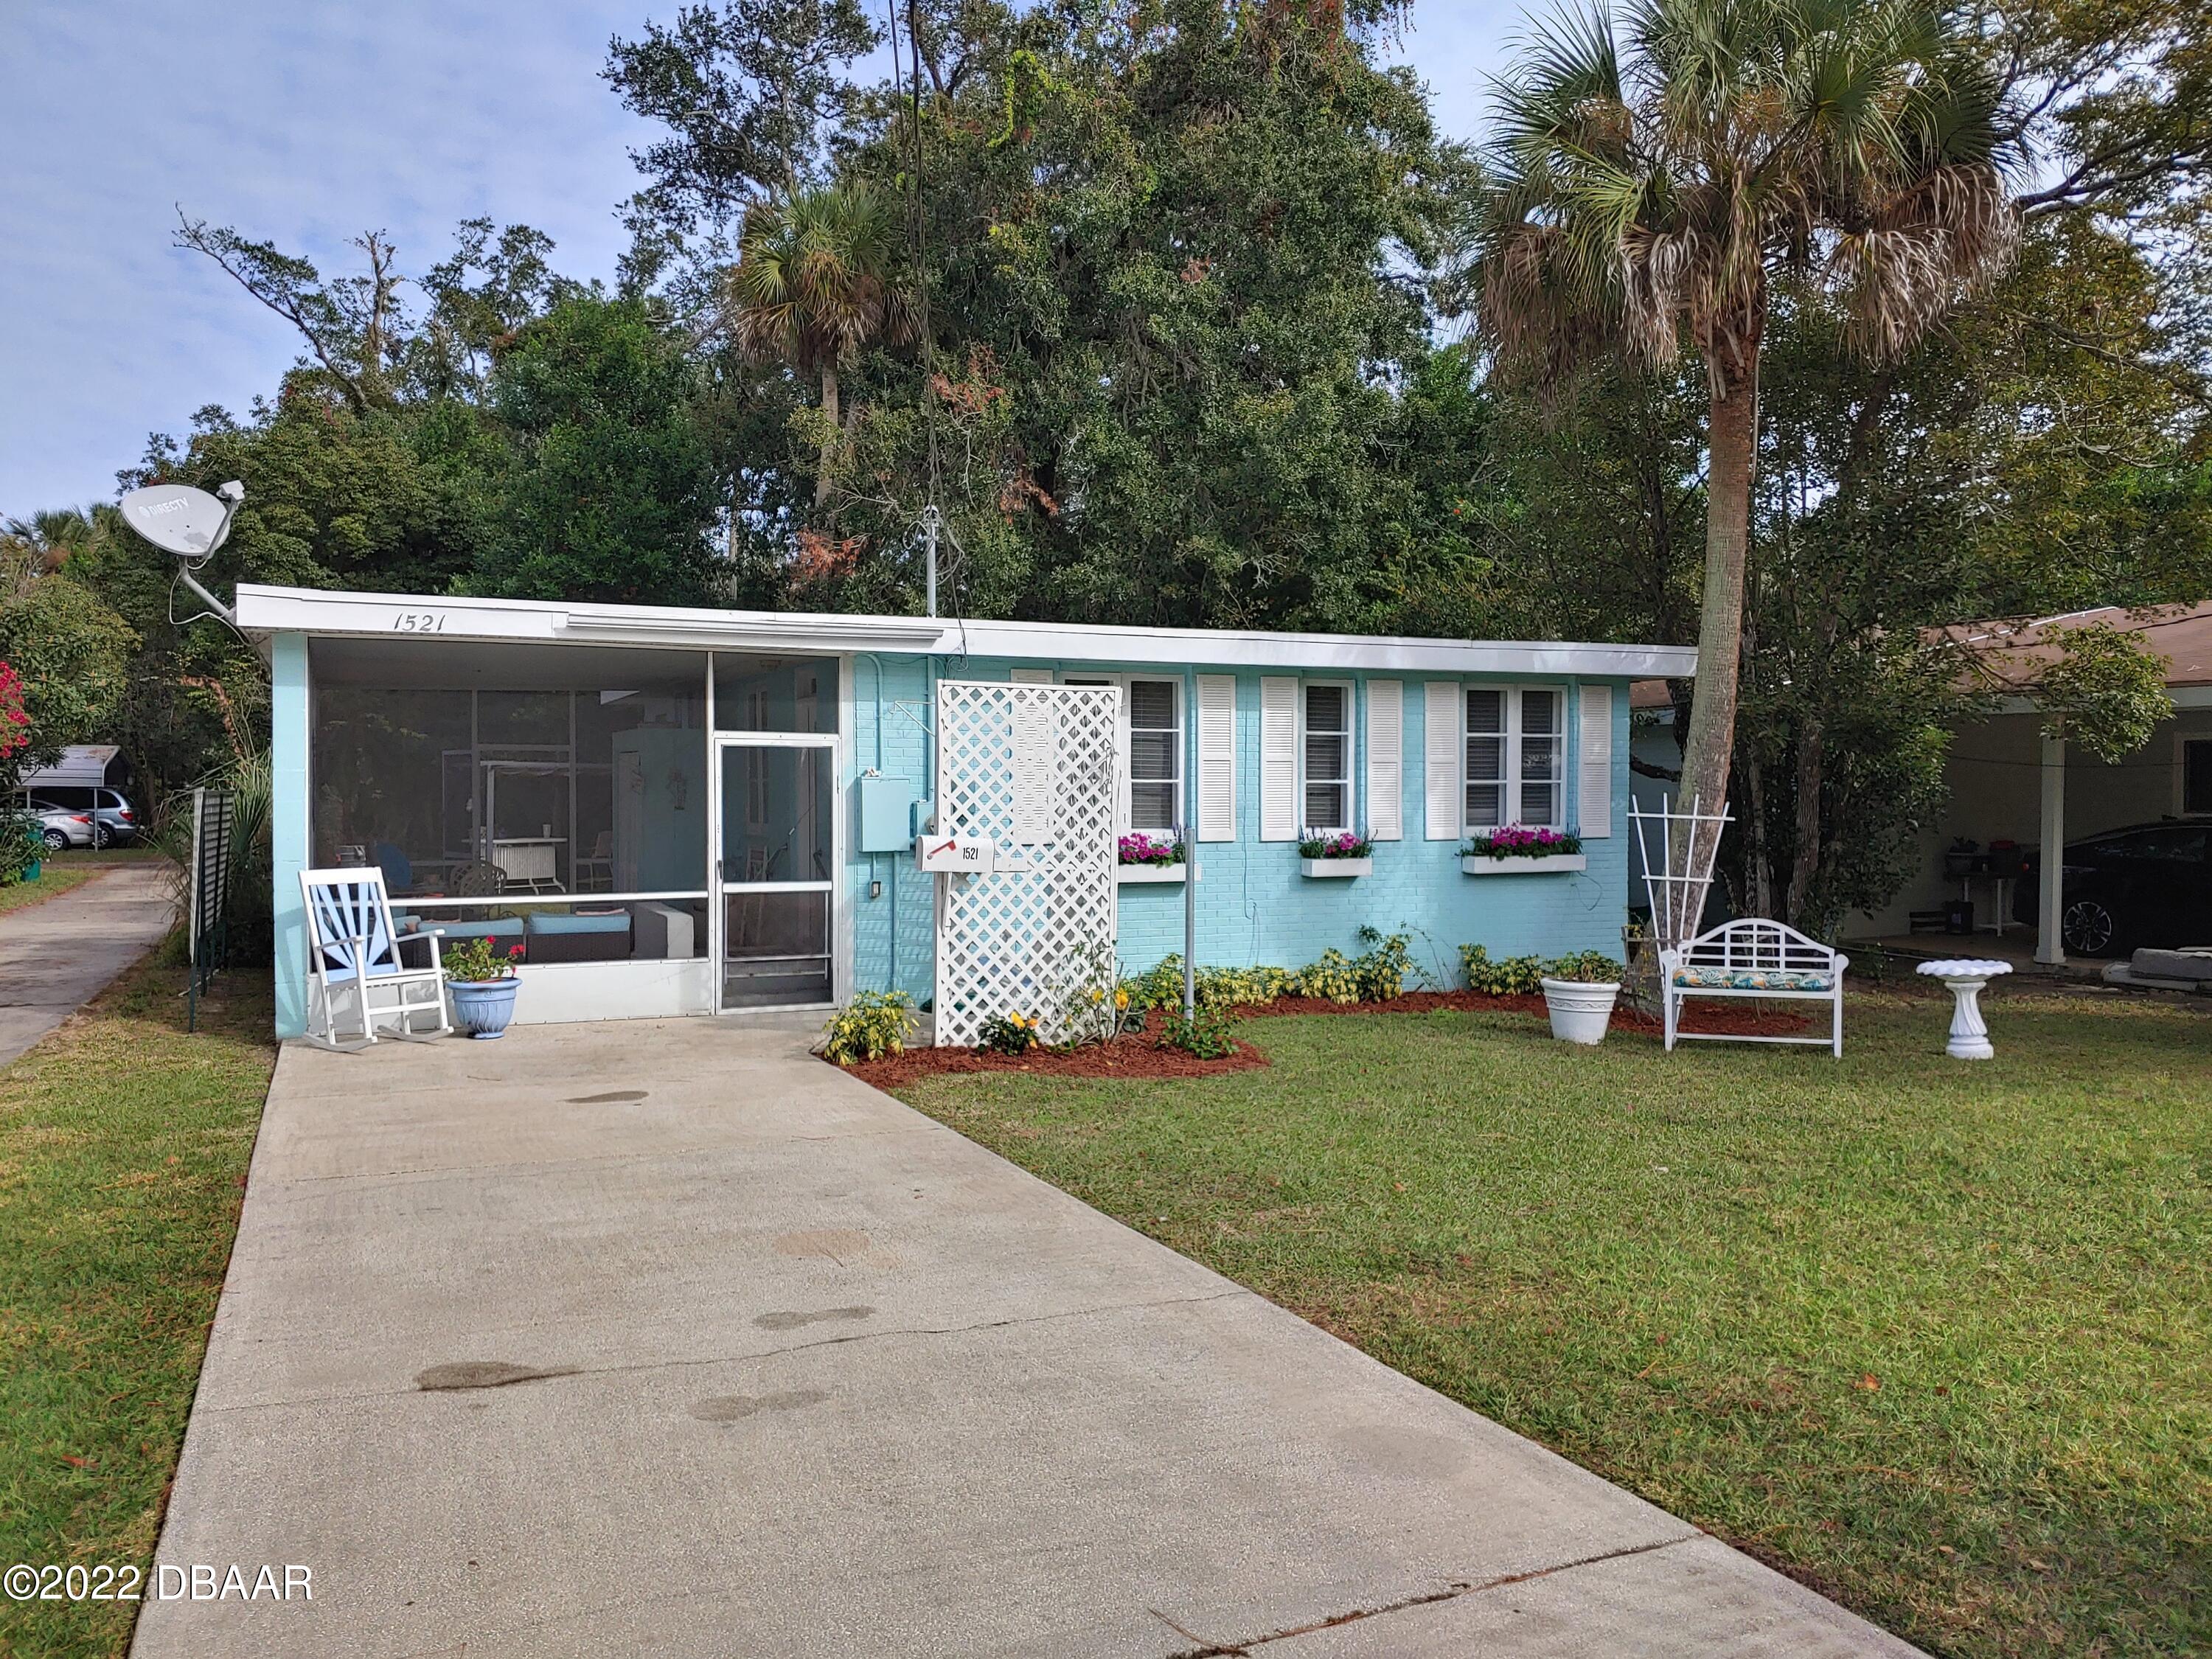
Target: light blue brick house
(676, 811)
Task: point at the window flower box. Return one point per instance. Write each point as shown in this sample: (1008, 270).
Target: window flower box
(1143, 857)
(1516, 850)
(1551, 865)
(1337, 853)
(1148, 874)
(1340, 867)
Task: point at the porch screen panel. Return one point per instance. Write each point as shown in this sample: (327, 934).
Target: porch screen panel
(563, 811)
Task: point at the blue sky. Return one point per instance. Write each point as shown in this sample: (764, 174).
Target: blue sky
(307, 122)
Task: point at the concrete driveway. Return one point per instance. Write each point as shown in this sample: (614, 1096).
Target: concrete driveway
(59, 954)
(667, 1339)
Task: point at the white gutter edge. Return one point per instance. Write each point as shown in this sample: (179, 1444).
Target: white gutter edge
(264, 610)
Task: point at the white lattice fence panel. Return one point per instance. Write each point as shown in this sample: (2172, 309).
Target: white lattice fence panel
(1030, 769)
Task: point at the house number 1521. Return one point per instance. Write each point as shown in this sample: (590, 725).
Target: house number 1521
(419, 622)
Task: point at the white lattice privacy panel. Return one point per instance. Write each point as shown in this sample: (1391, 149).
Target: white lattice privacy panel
(1030, 768)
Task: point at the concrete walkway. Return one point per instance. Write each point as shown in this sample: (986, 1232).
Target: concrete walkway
(57, 955)
(667, 1339)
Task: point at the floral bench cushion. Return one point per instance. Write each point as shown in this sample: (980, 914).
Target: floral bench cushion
(1754, 979)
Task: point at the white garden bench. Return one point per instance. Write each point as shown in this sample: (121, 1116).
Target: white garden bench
(1768, 960)
(355, 964)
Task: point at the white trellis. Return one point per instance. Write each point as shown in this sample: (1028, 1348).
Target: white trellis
(1030, 769)
(1677, 879)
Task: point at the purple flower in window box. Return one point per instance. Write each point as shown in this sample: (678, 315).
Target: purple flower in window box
(1159, 851)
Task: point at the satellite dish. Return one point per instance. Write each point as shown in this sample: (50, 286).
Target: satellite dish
(179, 519)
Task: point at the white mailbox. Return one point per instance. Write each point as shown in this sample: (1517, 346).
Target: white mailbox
(953, 855)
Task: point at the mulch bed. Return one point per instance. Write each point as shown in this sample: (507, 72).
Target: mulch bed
(1137, 1056)
(1698, 1015)
(1133, 1055)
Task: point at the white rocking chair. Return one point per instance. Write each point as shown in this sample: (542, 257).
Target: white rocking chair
(355, 965)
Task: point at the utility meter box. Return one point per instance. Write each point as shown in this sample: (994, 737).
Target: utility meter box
(885, 807)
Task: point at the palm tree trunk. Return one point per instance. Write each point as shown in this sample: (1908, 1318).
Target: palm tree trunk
(829, 439)
(1733, 447)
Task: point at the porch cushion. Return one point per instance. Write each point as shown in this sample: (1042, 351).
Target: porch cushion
(1753, 979)
(498, 927)
(618, 922)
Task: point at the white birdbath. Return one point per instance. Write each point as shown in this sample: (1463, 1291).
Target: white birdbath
(1969, 1032)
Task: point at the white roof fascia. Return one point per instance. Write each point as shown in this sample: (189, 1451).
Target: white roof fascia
(1079, 642)
(403, 616)
(262, 610)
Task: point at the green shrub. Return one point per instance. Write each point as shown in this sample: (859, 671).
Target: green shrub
(1007, 1034)
(1587, 966)
(1382, 968)
(1515, 976)
(1205, 1033)
(1334, 976)
(21, 845)
(872, 1024)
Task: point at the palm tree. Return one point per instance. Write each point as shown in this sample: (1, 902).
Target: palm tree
(1846, 149)
(815, 282)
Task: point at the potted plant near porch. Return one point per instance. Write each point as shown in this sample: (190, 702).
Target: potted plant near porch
(484, 986)
(1579, 994)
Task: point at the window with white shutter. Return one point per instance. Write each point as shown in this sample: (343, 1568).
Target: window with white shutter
(1385, 760)
(1217, 757)
(1514, 757)
(1327, 741)
(1543, 758)
(1278, 758)
(1155, 750)
(1488, 736)
(1594, 763)
(1440, 760)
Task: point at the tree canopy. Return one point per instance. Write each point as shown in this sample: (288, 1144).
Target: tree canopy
(1169, 309)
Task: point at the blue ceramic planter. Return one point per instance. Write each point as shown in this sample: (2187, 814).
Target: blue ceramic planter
(483, 1008)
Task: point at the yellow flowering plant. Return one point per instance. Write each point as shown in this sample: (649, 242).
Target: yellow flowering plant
(1008, 1034)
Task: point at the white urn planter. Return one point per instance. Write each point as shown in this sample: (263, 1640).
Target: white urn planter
(1477, 864)
(1580, 1012)
(1337, 867)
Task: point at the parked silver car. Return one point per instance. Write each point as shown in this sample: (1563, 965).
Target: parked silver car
(113, 822)
(62, 831)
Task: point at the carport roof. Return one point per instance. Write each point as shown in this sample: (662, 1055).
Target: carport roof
(263, 611)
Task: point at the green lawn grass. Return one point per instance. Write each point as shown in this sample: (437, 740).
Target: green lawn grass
(1932, 1335)
(123, 1144)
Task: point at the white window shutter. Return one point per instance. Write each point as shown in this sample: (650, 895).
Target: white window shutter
(1385, 760)
(1279, 759)
(1594, 764)
(1217, 757)
(1440, 760)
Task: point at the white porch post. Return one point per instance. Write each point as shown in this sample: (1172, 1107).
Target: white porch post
(2050, 880)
